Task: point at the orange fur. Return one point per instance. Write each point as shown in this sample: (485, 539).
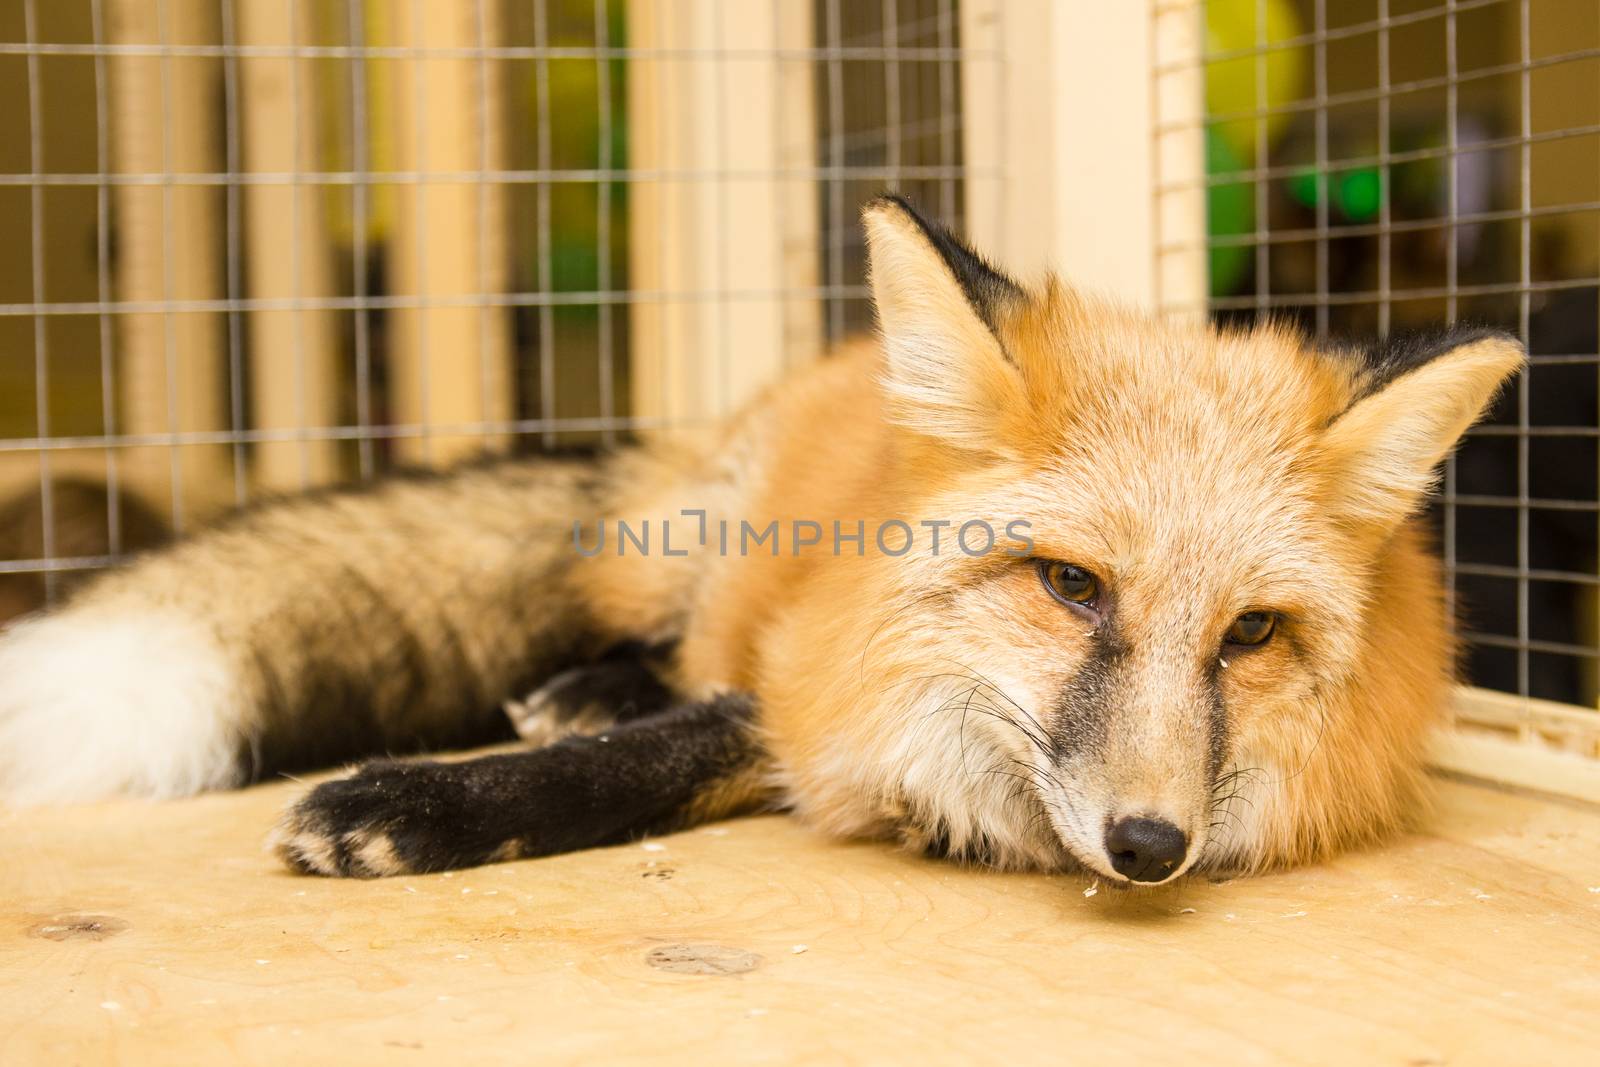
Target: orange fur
(1200, 474)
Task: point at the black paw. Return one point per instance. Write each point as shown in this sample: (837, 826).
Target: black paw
(588, 700)
(393, 818)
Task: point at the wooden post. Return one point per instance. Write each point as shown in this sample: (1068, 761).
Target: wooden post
(1008, 105)
(799, 228)
(728, 251)
(293, 353)
(164, 120)
(449, 364)
(1182, 284)
(1067, 119)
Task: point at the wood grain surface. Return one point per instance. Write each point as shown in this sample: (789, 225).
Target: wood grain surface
(163, 933)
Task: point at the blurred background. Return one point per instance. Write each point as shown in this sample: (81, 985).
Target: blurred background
(1448, 169)
(255, 246)
(249, 247)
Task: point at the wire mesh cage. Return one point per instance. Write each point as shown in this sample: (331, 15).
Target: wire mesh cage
(1390, 165)
(253, 247)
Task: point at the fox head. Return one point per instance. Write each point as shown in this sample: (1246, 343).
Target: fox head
(1222, 643)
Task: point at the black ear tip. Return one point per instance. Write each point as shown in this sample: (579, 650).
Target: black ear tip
(1503, 336)
(985, 287)
(891, 202)
(1468, 334)
(1396, 356)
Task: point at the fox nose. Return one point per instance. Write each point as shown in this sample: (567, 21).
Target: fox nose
(1145, 850)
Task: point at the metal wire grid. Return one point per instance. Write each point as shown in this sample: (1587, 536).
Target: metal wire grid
(1472, 130)
(893, 124)
(61, 58)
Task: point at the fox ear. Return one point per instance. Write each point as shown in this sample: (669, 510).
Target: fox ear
(1416, 401)
(938, 304)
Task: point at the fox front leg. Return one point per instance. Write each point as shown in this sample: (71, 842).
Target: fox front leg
(690, 764)
(624, 684)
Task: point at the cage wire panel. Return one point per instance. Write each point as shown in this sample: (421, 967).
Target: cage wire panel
(263, 245)
(255, 247)
(1373, 166)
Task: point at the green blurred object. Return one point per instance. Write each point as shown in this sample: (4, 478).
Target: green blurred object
(574, 138)
(1302, 186)
(1356, 195)
(1359, 194)
(1242, 84)
(1230, 211)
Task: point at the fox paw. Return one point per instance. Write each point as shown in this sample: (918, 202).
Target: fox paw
(591, 699)
(392, 818)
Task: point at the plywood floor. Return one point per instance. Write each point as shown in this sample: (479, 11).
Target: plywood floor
(163, 933)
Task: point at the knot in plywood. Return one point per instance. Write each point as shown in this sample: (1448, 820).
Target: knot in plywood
(78, 927)
(702, 959)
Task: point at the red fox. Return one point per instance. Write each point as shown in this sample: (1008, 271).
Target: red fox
(1030, 580)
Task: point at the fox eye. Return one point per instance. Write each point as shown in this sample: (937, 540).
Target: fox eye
(1252, 628)
(1071, 584)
